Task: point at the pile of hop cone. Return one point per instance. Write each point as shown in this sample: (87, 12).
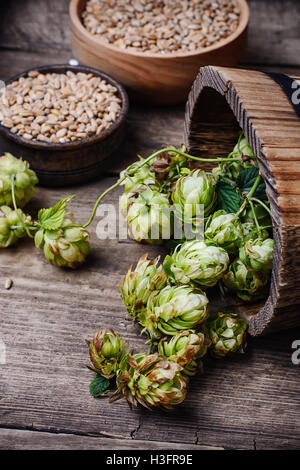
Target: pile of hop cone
(169, 301)
(64, 242)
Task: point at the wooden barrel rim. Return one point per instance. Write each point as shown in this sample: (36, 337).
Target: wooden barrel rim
(231, 85)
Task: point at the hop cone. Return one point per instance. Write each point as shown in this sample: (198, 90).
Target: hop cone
(149, 217)
(224, 230)
(138, 284)
(12, 225)
(106, 351)
(24, 182)
(246, 283)
(186, 349)
(151, 381)
(227, 332)
(258, 254)
(250, 232)
(174, 309)
(195, 189)
(232, 170)
(244, 151)
(142, 177)
(169, 166)
(243, 148)
(67, 246)
(197, 262)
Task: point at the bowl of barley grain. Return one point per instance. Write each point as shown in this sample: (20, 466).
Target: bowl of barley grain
(156, 47)
(64, 120)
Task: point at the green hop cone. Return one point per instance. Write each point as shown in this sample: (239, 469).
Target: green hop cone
(106, 351)
(224, 230)
(173, 309)
(197, 262)
(248, 158)
(12, 225)
(64, 242)
(138, 284)
(169, 166)
(247, 284)
(243, 148)
(258, 254)
(227, 333)
(186, 349)
(151, 381)
(191, 192)
(141, 177)
(250, 232)
(24, 181)
(149, 217)
(67, 246)
(231, 170)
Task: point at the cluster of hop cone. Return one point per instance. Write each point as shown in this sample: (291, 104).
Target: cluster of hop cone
(170, 301)
(64, 242)
(179, 327)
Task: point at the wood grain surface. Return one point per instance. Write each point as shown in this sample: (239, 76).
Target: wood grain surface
(249, 402)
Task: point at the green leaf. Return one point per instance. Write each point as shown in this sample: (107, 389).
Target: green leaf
(99, 386)
(53, 218)
(246, 180)
(228, 197)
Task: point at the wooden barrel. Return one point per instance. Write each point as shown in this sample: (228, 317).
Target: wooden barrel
(221, 102)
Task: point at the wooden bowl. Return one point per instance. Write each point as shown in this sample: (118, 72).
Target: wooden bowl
(154, 78)
(68, 163)
(220, 103)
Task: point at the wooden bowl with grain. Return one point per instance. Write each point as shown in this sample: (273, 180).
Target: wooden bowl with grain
(65, 164)
(155, 78)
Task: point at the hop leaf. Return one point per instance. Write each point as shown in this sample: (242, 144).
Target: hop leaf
(246, 180)
(53, 218)
(99, 386)
(228, 197)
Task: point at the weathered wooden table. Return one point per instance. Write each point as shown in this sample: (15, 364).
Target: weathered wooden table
(250, 402)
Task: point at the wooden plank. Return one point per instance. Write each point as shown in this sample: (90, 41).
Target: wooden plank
(38, 25)
(13, 439)
(274, 32)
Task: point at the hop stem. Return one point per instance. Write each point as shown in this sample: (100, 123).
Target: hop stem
(249, 196)
(133, 168)
(25, 226)
(255, 218)
(262, 204)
